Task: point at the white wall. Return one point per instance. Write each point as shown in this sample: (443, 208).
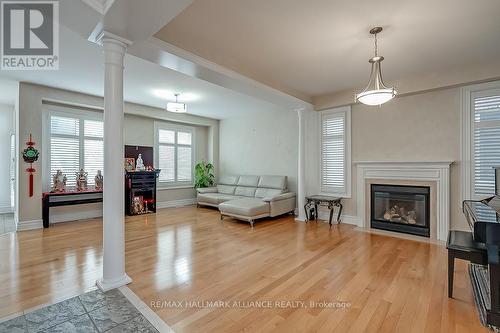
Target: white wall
(420, 127)
(6, 129)
(139, 121)
(265, 143)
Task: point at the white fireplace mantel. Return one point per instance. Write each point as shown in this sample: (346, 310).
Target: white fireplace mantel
(435, 171)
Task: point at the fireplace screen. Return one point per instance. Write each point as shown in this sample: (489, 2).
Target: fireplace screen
(400, 208)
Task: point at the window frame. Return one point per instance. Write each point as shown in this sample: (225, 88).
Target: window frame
(347, 191)
(468, 93)
(158, 125)
(48, 111)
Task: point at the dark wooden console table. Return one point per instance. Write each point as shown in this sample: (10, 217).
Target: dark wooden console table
(323, 200)
(55, 199)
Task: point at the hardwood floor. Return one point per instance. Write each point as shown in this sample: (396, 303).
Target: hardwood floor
(187, 254)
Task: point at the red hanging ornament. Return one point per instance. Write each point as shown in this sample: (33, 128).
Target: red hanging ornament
(30, 155)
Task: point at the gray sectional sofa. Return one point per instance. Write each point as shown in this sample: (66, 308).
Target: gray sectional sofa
(249, 197)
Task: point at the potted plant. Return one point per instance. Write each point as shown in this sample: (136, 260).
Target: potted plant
(203, 174)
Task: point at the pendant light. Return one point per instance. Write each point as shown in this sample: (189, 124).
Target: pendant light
(176, 106)
(376, 92)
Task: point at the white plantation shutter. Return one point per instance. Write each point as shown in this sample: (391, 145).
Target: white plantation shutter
(486, 136)
(75, 143)
(174, 155)
(335, 144)
(93, 128)
(93, 159)
(65, 147)
(93, 149)
(184, 164)
(166, 136)
(65, 156)
(64, 126)
(184, 138)
(166, 164)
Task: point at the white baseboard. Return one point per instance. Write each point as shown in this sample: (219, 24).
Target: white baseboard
(351, 219)
(29, 225)
(6, 209)
(176, 203)
(146, 311)
(347, 219)
(75, 216)
(90, 214)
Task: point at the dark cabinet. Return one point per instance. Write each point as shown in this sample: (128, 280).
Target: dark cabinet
(140, 192)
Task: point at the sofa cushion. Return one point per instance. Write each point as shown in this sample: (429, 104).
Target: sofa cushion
(226, 189)
(215, 198)
(245, 207)
(250, 181)
(245, 191)
(228, 180)
(276, 182)
(212, 189)
(227, 197)
(267, 192)
(211, 198)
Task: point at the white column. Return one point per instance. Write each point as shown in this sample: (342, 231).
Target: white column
(301, 181)
(114, 274)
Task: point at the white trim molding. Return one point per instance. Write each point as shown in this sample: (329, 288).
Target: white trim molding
(6, 209)
(145, 310)
(438, 172)
(346, 219)
(29, 225)
(176, 203)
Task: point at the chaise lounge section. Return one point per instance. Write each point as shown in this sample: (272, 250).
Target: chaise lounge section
(249, 198)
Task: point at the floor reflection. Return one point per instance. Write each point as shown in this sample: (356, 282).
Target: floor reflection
(174, 251)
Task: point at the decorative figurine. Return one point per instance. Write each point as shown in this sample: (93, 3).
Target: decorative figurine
(130, 164)
(98, 181)
(138, 205)
(139, 164)
(59, 182)
(81, 180)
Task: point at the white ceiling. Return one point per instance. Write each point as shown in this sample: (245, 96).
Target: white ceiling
(317, 47)
(82, 70)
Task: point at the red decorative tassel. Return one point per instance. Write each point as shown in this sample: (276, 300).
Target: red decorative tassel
(31, 185)
(30, 182)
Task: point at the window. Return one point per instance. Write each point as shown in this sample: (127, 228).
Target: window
(75, 142)
(174, 154)
(482, 138)
(335, 132)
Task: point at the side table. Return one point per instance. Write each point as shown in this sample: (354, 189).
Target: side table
(323, 200)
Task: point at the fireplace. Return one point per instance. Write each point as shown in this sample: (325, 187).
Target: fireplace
(400, 208)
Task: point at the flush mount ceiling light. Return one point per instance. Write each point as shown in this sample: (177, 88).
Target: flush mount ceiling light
(376, 92)
(176, 106)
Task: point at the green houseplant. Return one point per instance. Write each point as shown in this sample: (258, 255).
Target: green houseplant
(203, 174)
